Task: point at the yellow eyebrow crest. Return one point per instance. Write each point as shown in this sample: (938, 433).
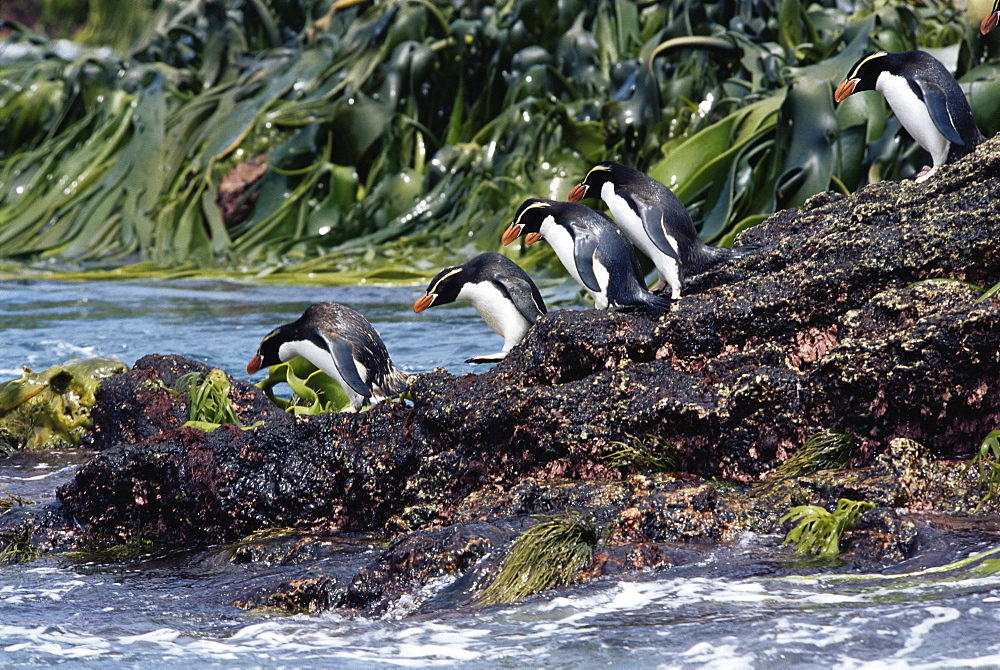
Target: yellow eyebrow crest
(877, 54)
(598, 168)
(454, 271)
(534, 205)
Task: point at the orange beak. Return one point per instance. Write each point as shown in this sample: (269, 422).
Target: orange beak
(845, 89)
(531, 238)
(511, 233)
(578, 193)
(989, 23)
(423, 302)
(255, 364)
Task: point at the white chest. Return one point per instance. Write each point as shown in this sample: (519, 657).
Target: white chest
(912, 114)
(497, 311)
(322, 359)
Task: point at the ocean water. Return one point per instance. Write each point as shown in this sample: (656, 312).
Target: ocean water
(735, 606)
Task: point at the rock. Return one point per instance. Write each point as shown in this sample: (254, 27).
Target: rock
(832, 325)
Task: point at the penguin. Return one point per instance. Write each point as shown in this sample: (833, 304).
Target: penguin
(591, 248)
(991, 20)
(341, 343)
(925, 98)
(655, 220)
(498, 288)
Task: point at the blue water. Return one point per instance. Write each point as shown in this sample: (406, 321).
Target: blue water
(726, 610)
(221, 324)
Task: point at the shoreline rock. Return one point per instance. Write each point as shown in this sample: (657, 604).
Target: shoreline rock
(832, 325)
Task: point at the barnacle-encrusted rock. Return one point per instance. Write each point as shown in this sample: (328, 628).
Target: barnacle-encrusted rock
(831, 325)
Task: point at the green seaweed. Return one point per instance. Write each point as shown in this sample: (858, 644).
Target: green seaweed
(313, 391)
(16, 547)
(987, 463)
(51, 408)
(396, 136)
(817, 531)
(209, 405)
(548, 555)
(826, 450)
(649, 454)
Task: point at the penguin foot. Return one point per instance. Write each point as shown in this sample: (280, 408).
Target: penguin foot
(487, 358)
(349, 410)
(926, 173)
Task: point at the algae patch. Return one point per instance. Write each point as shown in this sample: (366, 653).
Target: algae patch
(52, 407)
(209, 405)
(546, 556)
(818, 531)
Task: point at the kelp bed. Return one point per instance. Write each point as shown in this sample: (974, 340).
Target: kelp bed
(302, 141)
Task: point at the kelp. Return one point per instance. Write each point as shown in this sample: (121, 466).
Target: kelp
(546, 556)
(51, 408)
(312, 390)
(826, 450)
(817, 531)
(986, 461)
(399, 135)
(209, 405)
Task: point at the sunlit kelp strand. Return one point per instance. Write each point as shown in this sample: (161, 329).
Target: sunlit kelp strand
(818, 531)
(386, 121)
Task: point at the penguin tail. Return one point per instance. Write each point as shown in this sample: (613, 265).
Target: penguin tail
(488, 358)
(395, 382)
(648, 301)
(708, 256)
(740, 252)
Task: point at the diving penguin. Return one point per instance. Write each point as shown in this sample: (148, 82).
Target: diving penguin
(591, 248)
(655, 220)
(925, 98)
(341, 343)
(498, 288)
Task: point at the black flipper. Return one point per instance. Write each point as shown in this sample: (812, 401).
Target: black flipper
(343, 358)
(655, 225)
(937, 107)
(525, 297)
(584, 247)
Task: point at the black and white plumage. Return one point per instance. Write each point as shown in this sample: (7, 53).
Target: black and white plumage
(655, 220)
(341, 343)
(591, 248)
(925, 98)
(498, 289)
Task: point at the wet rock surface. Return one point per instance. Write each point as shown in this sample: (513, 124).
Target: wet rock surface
(832, 325)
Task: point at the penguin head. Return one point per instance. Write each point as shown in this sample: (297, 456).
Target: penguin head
(444, 288)
(864, 74)
(528, 221)
(268, 353)
(598, 176)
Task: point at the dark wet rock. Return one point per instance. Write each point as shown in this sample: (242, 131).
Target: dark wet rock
(830, 326)
(141, 406)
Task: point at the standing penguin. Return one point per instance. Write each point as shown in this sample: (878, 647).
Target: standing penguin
(341, 343)
(591, 248)
(498, 288)
(925, 98)
(655, 220)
